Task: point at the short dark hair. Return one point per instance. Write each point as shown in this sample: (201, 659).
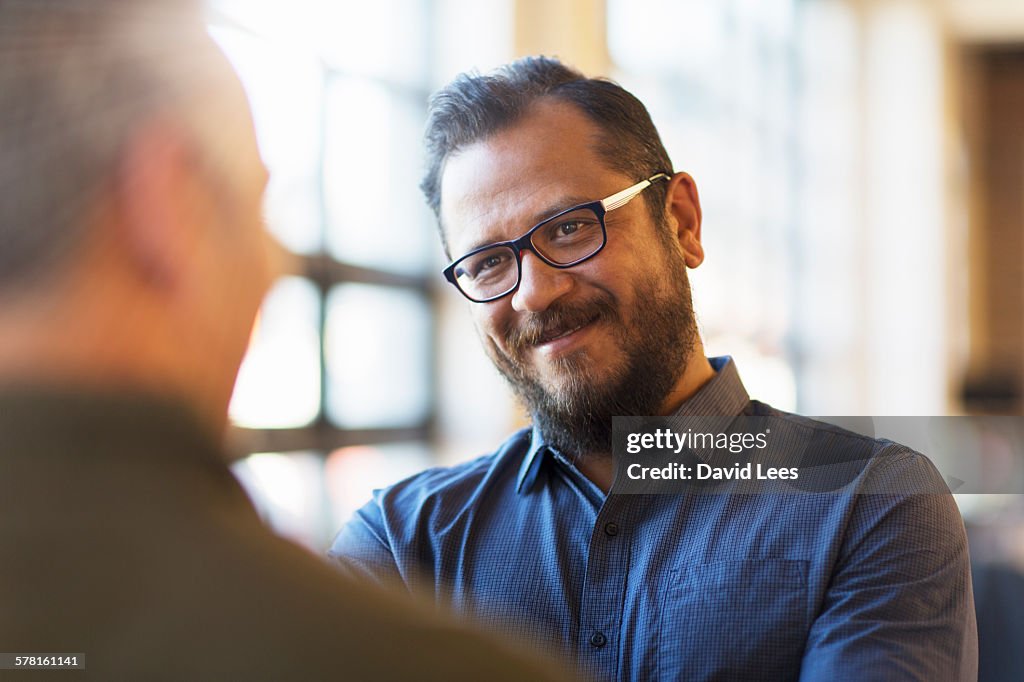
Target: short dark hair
(473, 107)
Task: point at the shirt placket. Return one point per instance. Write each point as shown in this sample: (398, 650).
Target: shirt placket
(604, 589)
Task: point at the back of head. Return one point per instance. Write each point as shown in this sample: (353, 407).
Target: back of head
(76, 77)
(473, 107)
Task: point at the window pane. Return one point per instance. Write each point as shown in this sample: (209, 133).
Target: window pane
(288, 491)
(376, 216)
(723, 92)
(285, 89)
(279, 382)
(383, 38)
(352, 474)
(689, 35)
(378, 345)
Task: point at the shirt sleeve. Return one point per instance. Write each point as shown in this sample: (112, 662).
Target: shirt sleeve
(362, 548)
(900, 604)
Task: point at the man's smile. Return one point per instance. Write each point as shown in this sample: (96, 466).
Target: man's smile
(559, 341)
(555, 332)
(563, 330)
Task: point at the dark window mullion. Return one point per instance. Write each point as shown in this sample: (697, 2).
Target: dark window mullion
(320, 438)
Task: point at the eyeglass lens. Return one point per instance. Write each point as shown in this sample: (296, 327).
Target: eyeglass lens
(563, 240)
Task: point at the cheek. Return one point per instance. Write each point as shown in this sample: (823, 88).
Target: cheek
(613, 275)
(491, 322)
(244, 265)
(267, 258)
(486, 322)
(256, 246)
(630, 264)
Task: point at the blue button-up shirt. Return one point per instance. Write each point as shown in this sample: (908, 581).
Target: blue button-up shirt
(691, 586)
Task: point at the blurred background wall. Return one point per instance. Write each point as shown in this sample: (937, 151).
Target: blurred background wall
(861, 167)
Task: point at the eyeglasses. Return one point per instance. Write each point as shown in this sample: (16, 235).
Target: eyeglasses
(562, 241)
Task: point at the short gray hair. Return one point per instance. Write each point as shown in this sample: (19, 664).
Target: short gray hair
(77, 77)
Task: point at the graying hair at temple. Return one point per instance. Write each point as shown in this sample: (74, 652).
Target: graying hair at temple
(473, 107)
(77, 77)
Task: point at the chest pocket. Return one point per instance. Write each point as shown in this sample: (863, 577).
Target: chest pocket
(734, 620)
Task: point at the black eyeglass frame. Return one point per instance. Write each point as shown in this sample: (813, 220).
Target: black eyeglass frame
(525, 242)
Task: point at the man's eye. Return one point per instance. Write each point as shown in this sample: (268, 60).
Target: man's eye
(570, 227)
(490, 262)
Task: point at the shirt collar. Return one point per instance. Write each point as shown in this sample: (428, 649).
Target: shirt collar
(530, 467)
(723, 396)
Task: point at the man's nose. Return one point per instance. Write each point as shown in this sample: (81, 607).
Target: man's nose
(540, 285)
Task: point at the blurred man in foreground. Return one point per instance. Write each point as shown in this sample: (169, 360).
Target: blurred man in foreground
(132, 263)
(570, 235)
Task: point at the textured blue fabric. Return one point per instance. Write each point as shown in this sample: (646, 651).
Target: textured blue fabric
(838, 585)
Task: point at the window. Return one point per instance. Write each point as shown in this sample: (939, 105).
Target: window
(720, 80)
(341, 356)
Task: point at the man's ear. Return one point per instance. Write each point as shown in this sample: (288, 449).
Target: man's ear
(158, 203)
(682, 204)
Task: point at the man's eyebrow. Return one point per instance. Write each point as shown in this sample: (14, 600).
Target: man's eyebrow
(563, 204)
(553, 209)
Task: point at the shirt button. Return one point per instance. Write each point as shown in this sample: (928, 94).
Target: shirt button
(598, 640)
(611, 529)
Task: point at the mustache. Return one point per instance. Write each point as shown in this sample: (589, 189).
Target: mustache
(558, 319)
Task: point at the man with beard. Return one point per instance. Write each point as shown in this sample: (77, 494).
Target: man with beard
(587, 315)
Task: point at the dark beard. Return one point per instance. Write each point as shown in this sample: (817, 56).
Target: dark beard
(577, 420)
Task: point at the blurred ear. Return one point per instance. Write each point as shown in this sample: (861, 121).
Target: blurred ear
(160, 202)
(683, 207)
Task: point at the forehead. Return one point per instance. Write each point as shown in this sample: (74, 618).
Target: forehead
(499, 187)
